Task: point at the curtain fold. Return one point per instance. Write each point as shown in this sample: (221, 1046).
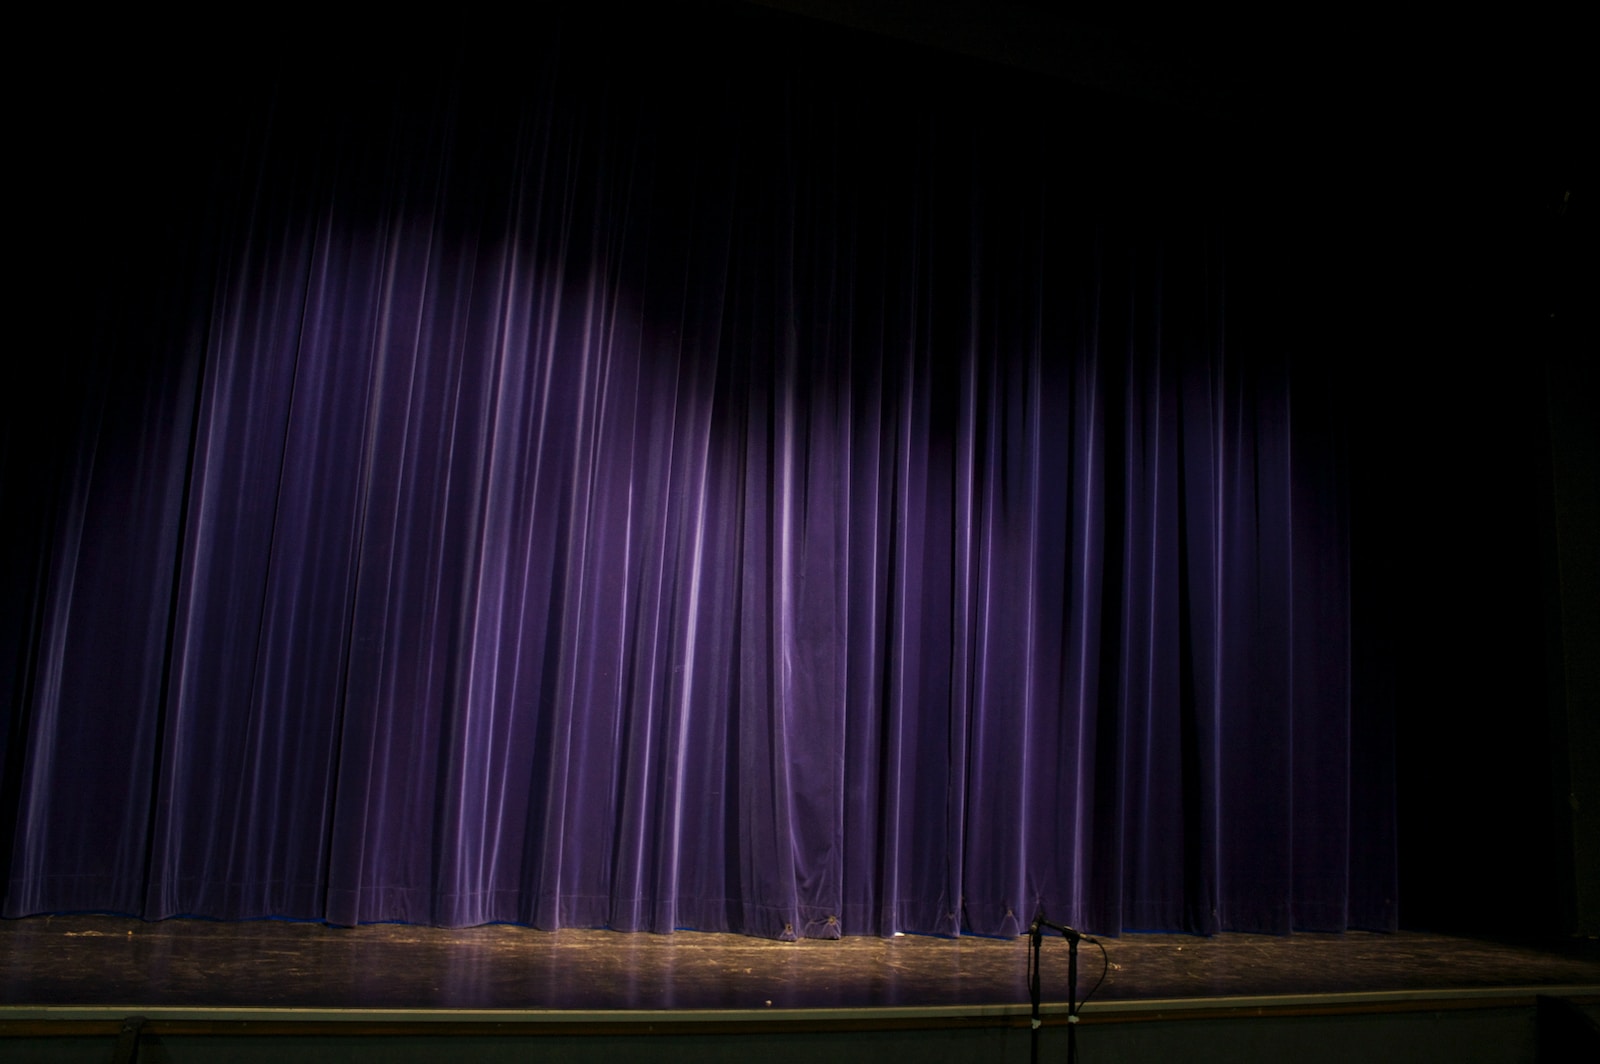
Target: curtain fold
(750, 500)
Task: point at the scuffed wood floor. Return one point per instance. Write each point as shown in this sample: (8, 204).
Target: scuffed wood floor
(107, 960)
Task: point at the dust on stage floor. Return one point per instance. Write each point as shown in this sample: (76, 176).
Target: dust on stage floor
(123, 963)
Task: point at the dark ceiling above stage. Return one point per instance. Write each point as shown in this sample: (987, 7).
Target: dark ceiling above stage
(1514, 82)
(1229, 64)
(1201, 64)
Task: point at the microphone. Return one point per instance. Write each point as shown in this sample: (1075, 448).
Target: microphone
(1070, 934)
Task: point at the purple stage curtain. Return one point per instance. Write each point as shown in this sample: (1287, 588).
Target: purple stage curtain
(771, 497)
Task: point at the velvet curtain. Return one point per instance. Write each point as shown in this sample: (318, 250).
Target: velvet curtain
(793, 492)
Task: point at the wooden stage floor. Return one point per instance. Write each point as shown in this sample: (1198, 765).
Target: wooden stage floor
(115, 965)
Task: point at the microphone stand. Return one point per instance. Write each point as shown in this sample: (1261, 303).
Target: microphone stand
(1036, 936)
